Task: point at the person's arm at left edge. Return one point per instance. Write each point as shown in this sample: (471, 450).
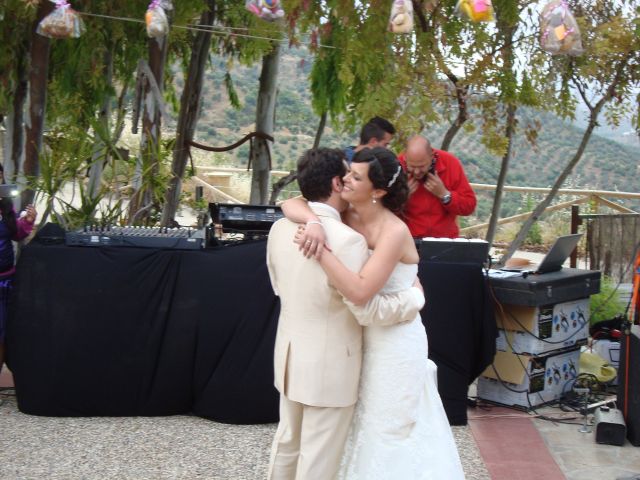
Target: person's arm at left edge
(25, 223)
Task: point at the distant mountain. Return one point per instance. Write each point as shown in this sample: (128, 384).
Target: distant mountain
(607, 164)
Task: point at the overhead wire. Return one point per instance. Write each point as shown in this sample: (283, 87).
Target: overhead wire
(213, 29)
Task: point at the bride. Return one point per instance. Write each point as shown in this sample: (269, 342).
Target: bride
(399, 429)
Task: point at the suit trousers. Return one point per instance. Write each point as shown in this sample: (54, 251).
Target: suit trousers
(309, 442)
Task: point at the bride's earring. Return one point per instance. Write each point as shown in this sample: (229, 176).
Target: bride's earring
(373, 200)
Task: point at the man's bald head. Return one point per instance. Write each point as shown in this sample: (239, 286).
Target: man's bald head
(418, 156)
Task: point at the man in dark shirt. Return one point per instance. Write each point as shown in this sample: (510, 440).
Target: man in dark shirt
(377, 132)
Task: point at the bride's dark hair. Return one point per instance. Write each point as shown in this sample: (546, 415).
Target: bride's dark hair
(386, 173)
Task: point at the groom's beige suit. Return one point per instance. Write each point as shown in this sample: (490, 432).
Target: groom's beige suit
(318, 351)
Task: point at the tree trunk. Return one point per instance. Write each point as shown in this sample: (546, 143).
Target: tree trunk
(38, 75)
(280, 184)
(535, 215)
(100, 154)
(188, 118)
(320, 131)
(148, 166)
(507, 29)
(593, 122)
(15, 119)
(461, 90)
(265, 116)
(463, 114)
(504, 168)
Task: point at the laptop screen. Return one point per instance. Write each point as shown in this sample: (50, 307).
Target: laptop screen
(559, 253)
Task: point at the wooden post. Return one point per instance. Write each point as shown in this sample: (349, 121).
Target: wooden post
(575, 223)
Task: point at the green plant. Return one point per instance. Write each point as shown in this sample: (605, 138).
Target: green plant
(606, 304)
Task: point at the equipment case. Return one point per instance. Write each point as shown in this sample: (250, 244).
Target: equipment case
(547, 288)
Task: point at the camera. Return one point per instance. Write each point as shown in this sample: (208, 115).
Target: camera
(8, 190)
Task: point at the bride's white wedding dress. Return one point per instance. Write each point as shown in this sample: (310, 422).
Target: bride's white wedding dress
(400, 430)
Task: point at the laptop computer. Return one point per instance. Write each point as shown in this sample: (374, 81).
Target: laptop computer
(555, 257)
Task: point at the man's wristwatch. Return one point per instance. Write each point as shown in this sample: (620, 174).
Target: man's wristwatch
(446, 198)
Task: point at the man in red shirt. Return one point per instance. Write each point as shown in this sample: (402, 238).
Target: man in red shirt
(438, 190)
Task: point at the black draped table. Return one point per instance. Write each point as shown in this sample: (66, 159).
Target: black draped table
(132, 331)
(461, 329)
(101, 331)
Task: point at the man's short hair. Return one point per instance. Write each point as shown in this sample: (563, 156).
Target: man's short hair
(371, 131)
(384, 124)
(316, 169)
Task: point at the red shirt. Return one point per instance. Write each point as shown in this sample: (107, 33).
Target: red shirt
(424, 213)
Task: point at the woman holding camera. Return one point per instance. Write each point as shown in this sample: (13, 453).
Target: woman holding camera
(11, 229)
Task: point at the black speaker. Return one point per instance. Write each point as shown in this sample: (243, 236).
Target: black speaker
(629, 383)
(51, 233)
(610, 426)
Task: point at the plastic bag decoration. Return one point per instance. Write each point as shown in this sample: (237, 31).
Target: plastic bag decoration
(401, 17)
(269, 10)
(476, 10)
(156, 19)
(63, 22)
(559, 32)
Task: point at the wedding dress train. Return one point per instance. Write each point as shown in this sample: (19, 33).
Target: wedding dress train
(399, 430)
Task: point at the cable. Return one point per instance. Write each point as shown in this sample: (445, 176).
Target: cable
(531, 413)
(525, 329)
(530, 377)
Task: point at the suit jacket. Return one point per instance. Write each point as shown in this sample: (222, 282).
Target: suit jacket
(318, 351)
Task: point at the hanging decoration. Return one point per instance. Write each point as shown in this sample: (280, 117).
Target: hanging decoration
(156, 19)
(559, 32)
(63, 22)
(401, 18)
(269, 10)
(476, 10)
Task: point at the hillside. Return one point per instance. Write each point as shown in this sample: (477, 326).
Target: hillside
(606, 164)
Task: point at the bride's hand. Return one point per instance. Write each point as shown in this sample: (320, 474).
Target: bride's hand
(417, 284)
(311, 239)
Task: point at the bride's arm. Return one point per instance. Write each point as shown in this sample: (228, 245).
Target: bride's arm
(297, 210)
(360, 287)
(313, 237)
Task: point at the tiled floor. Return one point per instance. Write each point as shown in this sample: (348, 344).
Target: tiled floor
(506, 439)
(581, 458)
(518, 446)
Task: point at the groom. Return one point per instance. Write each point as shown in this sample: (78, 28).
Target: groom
(318, 351)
